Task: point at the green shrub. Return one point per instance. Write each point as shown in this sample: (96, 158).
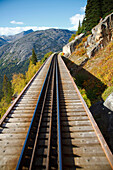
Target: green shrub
(107, 92)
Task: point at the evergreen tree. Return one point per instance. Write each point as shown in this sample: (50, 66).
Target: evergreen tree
(107, 7)
(7, 89)
(5, 86)
(79, 28)
(93, 13)
(33, 57)
(96, 9)
(83, 27)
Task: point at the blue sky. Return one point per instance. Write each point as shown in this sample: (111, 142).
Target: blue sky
(20, 15)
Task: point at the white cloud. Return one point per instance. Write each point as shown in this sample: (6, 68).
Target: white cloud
(75, 21)
(15, 30)
(83, 9)
(45, 28)
(15, 22)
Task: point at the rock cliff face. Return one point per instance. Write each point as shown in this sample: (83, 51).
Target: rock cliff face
(101, 35)
(109, 102)
(70, 47)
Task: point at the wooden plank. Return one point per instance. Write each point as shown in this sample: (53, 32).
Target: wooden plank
(94, 167)
(24, 108)
(28, 97)
(7, 167)
(31, 101)
(18, 120)
(12, 136)
(70, 101)
(70, 113)
(77, 129)
(76, 123)
(71, 107)
(72, 118)
(68, 97)
(5, 151)
(22, 111)
(8, 160)
(79, 134)
(95, 164)
(81, 141)
(98, 160)
(11, 143)
(74, 110)
(21, 115)
(16, 125)
(25, 104)
(13, 130)
(70, 104)
(84, 151)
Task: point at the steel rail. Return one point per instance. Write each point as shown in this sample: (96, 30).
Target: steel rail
(58, 119)
(38, 129)
(19, 165)
(101, 139)
(17, 99)
(50, 128)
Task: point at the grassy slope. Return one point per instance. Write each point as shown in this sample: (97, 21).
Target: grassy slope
(95, 78)
(101, 66)
(95, 82)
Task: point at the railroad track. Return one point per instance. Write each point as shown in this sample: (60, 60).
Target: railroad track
(83, 146)
(15, 123)
(50, 126)
(40, 148)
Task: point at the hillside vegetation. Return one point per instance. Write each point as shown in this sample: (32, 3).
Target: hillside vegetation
(14, 56)
(95, 77)
(95, 11)
(19, 81)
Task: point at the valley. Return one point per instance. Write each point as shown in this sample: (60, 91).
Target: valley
(14, 56)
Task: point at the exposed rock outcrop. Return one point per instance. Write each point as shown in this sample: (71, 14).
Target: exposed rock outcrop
(109, 102)
(70, 47)
(101, 35)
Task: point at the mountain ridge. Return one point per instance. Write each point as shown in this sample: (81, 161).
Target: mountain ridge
(2, 42)
(12, 38)
(14, 56)
(21, 48)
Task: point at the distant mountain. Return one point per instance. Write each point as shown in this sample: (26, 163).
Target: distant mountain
(12, 38)
(42, 41)
(14, 56)
(2, 42)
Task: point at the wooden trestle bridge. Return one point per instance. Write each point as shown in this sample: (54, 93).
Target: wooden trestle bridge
(49, 126)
